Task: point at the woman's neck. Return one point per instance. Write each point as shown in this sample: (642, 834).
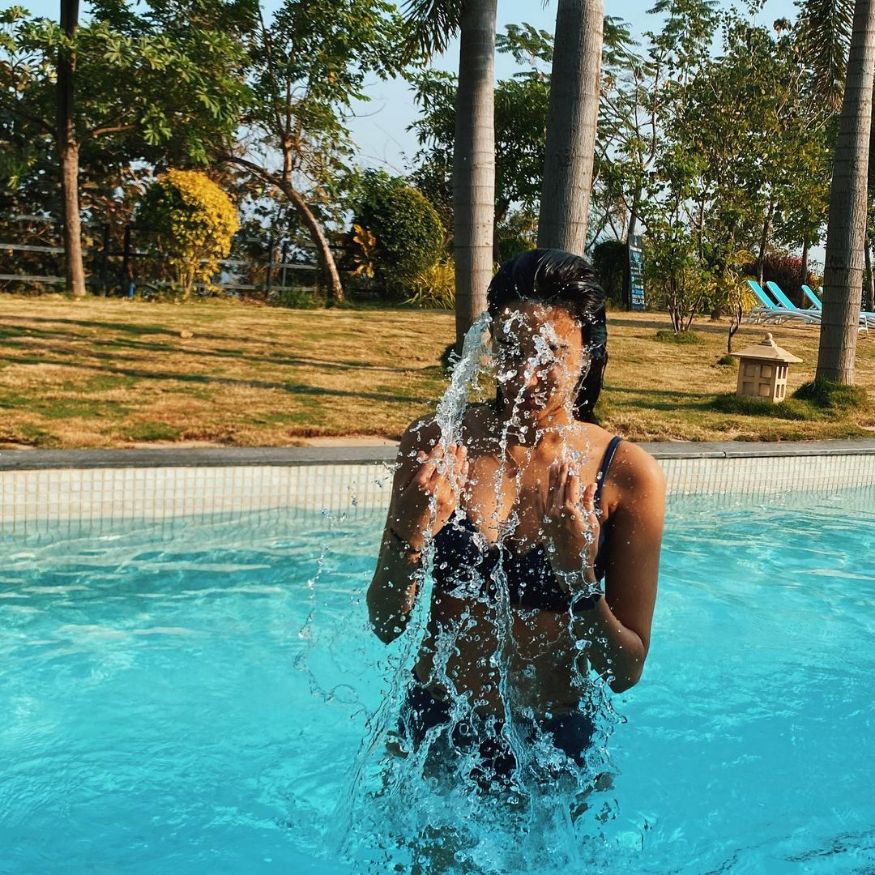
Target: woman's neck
(528, 430)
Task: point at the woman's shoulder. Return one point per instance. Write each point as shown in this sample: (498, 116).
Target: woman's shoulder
(634, 470)
(422, 434)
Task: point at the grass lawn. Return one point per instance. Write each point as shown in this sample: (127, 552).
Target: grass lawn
(105, 373)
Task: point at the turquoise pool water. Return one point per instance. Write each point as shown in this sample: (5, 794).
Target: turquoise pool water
(204, 701)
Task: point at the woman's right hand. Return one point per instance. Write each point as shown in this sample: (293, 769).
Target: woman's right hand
(432, 493)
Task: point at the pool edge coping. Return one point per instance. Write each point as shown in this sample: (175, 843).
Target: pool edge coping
(213, 457)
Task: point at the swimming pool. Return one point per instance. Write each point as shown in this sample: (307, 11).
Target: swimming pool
(201, 699)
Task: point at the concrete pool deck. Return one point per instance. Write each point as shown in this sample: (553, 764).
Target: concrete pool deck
(96, 490)
(212, 457)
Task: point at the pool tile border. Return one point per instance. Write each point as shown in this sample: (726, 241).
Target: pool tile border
(98, 490)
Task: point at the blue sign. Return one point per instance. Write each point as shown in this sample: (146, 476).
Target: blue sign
(636, 271)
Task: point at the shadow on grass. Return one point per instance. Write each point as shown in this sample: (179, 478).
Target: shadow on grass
(175, 349)
(205, 379)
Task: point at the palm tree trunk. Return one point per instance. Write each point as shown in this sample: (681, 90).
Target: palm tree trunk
(846, 231)
(571, 125)
(68, 153)
(474, 162)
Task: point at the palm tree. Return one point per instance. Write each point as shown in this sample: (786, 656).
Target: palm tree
(571, 125)
(846, 231)
(433, 23)
(68, 153)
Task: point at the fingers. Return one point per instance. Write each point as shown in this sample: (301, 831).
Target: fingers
(589, 498)
(442, 465)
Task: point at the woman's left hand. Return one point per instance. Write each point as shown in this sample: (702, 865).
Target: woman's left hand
(568, 520)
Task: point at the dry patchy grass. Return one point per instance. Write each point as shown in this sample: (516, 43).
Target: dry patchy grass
(116, 373)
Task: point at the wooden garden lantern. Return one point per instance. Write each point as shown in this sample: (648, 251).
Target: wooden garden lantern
(762, 370)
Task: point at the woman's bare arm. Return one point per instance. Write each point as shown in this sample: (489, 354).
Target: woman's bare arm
(393, 588)
(619, 625)
(425, 491)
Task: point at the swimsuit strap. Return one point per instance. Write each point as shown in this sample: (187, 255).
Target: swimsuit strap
(603, 468)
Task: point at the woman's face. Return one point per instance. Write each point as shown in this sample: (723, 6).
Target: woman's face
(539, 357)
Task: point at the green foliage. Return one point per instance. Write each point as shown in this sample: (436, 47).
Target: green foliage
(520, 126)
(675, 278)
(816, 401)
(408, 231)
(297, 299)
(682, 337)
(434, 287)
(833, 397)
(790, 408)
(192, 221)
(517, 233)
(726, 360)
(610, 258)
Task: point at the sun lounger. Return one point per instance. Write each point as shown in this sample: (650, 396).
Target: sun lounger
(784, 301)
(868, 315)
(771, 312)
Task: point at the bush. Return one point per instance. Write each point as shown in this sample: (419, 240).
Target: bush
(833, 397)
(674, 276)
(726, 360)
(297, 299)
(788, 409)
(435, 287)
(192, 221)
(609, 260)
(407, 231)
(785, 270)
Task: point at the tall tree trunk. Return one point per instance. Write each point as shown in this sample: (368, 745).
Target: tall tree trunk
(68, 153)
(323, 247)
(571, 125)
(474, 162)
(846, 231)
(764, 240)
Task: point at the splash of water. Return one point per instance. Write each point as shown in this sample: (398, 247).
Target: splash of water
(423, 810)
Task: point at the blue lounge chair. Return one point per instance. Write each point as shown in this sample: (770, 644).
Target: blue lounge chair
(775, 289)
(868, 315)
(815, 301)
(771, 312)
(785, 302)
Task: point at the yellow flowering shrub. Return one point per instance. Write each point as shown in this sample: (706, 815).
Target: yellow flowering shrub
(193, 222)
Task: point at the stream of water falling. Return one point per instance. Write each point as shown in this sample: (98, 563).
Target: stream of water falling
(425, 810)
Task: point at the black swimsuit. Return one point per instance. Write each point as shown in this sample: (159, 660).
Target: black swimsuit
(463, 568)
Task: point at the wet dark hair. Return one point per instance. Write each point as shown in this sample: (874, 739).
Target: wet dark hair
(559, 279)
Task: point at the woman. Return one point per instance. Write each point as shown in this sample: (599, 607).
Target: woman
(526, 515)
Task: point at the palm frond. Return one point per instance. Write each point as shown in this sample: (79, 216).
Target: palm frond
(431, 24)
(825, 32)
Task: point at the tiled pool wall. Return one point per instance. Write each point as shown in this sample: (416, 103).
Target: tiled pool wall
(102, 490)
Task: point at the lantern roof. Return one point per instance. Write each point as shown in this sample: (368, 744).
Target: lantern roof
(768, 351)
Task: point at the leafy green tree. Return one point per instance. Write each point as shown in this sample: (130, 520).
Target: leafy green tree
(117, 66)
(408, 232)
(520, 135)
(308, 64)
(825, 32)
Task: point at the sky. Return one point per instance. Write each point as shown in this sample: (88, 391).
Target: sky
(380, 126)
